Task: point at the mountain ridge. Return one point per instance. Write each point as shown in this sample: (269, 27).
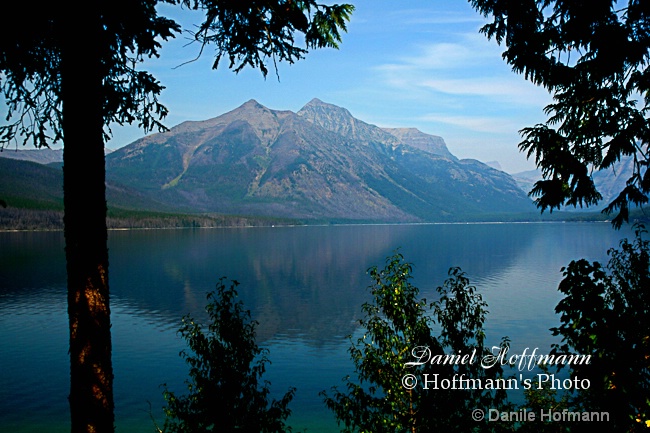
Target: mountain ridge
(318, 163)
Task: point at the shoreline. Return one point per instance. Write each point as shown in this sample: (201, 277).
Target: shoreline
(333, 224)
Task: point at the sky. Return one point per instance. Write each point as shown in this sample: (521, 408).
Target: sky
(412, 63)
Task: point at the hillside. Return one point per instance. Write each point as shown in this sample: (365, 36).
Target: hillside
(33, 194)
(26, 184)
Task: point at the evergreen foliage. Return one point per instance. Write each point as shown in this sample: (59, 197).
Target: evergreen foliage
(225, 390)
(545, 398)
(592, 56)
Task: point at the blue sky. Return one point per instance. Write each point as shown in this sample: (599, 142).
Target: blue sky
(409, 63)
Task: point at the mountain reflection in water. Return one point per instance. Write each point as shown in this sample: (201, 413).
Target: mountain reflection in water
(304, 285)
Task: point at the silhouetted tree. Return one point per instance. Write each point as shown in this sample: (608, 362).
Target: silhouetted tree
(593, 57)
(604, 314)
(544, 398)
(69, 70)
(226, 392)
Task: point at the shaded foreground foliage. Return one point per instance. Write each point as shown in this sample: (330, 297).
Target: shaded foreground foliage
(603, 314)
(387, 394)
(225, 390)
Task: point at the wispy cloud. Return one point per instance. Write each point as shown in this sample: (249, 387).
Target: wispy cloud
(466, 50)
(434, 16)
(492, 125)
(515, 91)
(463, 75)
(448, 18)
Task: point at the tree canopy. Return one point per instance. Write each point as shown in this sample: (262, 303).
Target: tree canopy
(592, 56)
(249, 33)
(604, 313)
(31, 57)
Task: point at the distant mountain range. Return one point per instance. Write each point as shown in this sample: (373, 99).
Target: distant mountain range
(318, 164)
(40, 156)
(608, 182)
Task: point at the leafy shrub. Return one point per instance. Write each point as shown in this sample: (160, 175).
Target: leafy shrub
(381, 397)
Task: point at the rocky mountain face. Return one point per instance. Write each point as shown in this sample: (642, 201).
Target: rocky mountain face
(320, 163)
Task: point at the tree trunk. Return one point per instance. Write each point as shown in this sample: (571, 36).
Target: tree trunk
(84, 197)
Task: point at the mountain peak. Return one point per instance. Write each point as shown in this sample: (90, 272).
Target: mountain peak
(315, 101)
(415, 138)
(252, 102)
(341, 121)
(248, 110)
(317, 108)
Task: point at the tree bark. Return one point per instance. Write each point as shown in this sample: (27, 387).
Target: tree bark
(84, 197)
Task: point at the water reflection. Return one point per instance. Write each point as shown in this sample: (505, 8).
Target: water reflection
(307, 281)
(305, 286)
(300, 281)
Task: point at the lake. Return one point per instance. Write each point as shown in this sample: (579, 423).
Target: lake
(304, 285)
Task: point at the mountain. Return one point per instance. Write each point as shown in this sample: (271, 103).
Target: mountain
(494, 164)
(526, 179)
(612, 181)
(27, 184)
(320, 163)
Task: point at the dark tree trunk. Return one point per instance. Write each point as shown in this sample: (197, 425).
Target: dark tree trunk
(84, 197)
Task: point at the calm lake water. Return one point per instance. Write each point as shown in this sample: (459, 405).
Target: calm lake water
(305, 286)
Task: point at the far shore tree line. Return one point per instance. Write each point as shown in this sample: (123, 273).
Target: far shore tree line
(20, 219)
